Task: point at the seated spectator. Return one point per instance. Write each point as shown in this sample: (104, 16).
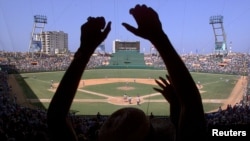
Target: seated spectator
(126, 124)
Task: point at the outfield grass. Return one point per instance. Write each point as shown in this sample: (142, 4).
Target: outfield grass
(36, 85)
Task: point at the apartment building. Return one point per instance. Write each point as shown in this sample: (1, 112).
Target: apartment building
(54, 42)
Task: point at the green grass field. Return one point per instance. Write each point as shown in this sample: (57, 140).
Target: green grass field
(36, 85)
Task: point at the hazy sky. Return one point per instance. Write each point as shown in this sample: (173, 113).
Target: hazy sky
(186, 22)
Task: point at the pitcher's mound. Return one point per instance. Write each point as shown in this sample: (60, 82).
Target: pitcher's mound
(125, 88)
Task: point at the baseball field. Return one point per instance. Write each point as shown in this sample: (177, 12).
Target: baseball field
(103, 90)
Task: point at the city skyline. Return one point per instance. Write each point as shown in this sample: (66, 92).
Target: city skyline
(185, 22)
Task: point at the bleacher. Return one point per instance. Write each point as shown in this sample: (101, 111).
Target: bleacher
(130, 59)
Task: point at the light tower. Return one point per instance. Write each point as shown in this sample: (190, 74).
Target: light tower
(38, 27)
(219, 34)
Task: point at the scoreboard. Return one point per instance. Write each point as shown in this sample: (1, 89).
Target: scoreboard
(125, 45)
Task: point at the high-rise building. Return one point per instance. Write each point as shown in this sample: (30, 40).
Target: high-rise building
(54, 42)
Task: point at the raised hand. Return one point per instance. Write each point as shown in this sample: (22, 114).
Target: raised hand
(168, 92)
(93, 33)
(149, 25)
(190, 113)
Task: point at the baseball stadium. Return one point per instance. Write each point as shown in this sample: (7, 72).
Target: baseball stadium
(125, 78)
(129, 68)
(108, 84)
